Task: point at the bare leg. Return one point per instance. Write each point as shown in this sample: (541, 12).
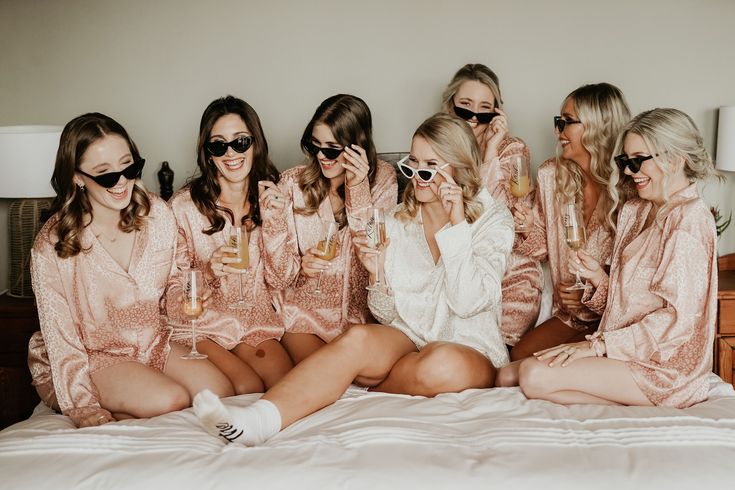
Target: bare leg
(440, 367)
(301, 345)
(269, 360)
(588, 380)
(508, 375)
(196, 375)
(551, 333)
(242, 377)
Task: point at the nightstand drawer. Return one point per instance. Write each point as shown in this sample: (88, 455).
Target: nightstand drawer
(726, 359)
(727, 317)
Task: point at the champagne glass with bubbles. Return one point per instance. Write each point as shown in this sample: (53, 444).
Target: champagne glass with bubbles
(520, 181)
(327, 247)
(376, 239)
(238, 239)
(575, 235)
(192, 306)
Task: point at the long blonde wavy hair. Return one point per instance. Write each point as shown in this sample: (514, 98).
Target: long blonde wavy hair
(452, 139)
(71, 208)
(671, 136)
(603, 111)
(349, 119)
(471, 71)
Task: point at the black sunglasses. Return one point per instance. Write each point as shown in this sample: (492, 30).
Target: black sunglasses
(634, 163)
(109, 179)
(219, 148)
(482, 117)
(560, 123)
(329, 153)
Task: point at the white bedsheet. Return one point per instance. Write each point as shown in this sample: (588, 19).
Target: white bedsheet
(476, 439)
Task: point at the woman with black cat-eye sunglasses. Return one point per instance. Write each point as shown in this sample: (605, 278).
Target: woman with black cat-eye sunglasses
(474, 95)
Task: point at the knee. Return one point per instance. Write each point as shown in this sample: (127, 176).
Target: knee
(354, 338)
(445, 369)
(246, 385)
(507, 376)
(533, 378)
(171, 399)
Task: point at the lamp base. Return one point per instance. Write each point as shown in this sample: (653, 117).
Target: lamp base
(24, 221)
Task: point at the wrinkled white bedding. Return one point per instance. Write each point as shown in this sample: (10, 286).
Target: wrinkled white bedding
(475, 439)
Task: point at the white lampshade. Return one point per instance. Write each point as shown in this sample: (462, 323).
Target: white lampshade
(725, 157)
(27, 157)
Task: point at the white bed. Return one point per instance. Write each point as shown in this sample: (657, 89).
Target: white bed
(476, 439)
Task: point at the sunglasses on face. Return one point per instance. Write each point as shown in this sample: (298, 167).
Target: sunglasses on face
(109, 179)
(219, 148)
(425, 175)
(482, 117)
(560, 123)
(329, 153)
(634, 163)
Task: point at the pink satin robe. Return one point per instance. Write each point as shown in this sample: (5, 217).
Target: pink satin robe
(660, 302)
(288, 235)
(94, 315)
(547, 242)
(219, 323)
(523, 282)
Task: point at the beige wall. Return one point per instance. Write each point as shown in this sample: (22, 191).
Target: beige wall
(154, 66)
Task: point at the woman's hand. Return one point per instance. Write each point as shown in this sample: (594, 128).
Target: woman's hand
(495, 132)
(565, 354)
(371, 258)
(523, 218)
(218, 262)
(451, 196)
(587, 267)
(570, 300)
(312, 263)
(99, 417)
(358, 167)
(270, 196)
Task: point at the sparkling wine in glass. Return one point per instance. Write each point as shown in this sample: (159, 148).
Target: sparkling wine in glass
(192, 306)
(376, 239)
(575, 235)
(327, 247)
(520, 181)
(238, 239)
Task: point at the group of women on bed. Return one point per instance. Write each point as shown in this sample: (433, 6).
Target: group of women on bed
(455, 280)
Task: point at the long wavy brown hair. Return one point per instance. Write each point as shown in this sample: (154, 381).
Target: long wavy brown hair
(205, 188)
(71, 208)
(603, 111)
(349, 119)
(453, 140)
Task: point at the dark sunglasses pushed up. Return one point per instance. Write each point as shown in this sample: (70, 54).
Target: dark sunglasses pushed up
(219, 148)
(633, 163)
(329, 153)
(109, 179)
(482, 117)
(560, 123)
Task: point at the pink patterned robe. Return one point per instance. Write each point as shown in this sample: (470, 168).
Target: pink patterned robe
(523, 282)
(547, 242)
(94, 315)
(219, 323)
(660, 302)
(288, 235)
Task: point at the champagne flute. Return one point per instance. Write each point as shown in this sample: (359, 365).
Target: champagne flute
(575, 234)
(238, 238)
(192, 306)
(327, 247)
(376, 239)
(520, 181)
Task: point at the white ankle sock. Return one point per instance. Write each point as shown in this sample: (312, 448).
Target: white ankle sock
(251, 426)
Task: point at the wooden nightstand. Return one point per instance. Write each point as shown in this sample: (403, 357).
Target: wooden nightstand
(18, 321)
(725, 334)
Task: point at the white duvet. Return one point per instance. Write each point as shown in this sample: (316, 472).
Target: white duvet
(476, 439)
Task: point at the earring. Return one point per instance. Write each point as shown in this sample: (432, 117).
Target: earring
(82, 187)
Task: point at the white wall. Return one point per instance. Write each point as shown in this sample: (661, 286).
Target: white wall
(154, 66)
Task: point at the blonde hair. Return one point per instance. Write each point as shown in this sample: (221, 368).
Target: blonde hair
(670, 135)
(603, 112)
(474, 71)
(452, 139)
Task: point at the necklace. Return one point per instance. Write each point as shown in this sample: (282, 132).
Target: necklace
(99, 233)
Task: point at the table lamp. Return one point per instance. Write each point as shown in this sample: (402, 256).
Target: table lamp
(725, 156)
(27, 158)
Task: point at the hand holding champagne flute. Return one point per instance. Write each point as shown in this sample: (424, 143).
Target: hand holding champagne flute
(238, 239)
(192, 305)
(327, 247)
(520, 181)
(376, 240)
(575, 234)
